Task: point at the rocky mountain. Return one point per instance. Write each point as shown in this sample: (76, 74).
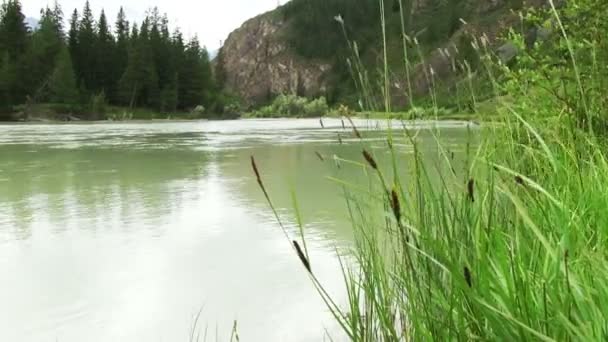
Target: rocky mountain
(299, 48)
(258, 63)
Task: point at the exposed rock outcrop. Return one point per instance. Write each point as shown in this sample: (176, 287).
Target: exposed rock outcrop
(258, 64)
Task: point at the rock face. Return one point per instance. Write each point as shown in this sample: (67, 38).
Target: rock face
(257, 63)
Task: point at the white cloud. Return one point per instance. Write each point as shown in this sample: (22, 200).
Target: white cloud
(211, 20)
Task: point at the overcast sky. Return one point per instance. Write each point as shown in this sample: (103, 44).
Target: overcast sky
(211, 20)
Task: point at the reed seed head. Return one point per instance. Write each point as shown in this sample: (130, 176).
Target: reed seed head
(396, 205)
(255, 169)
(302, 257)
(471, 190)
(370, 160)
(468, 277)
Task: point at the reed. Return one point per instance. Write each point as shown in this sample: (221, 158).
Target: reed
(509, 247)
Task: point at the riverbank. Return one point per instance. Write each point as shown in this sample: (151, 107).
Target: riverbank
(52, 113)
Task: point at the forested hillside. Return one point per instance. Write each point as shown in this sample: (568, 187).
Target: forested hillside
(351, 36)
(353, 39)
(95, 62)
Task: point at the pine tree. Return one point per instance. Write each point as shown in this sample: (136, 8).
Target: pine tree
(85, 70)
(14, 38)
(121, 52)
(73, 45)
(13, 30)
(6, 82)
(159, 52)
(139, 84)
(169, 95)
(142, 66)
(195, 78)
(104, 58)
(57, 15)
(46, 42)
(62, 83)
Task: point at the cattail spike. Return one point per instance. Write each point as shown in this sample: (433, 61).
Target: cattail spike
(302, 257)
(471, 190)
(320, 156)
(255, 169)
(467, 276)
(259, 178)
(370, 160)
(321, 122)
(396, 205)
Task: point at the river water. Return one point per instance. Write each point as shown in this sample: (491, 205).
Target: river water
(126, 231)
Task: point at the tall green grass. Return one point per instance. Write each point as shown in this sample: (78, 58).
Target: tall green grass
(515, 245)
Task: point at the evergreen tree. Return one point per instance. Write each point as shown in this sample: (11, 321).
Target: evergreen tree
(134, 65)
(85, 70)
(220, 71)
(139, 84)
(195, 76)
(46, 42)
(62, 83)
(6, 82)
(121, 52)
(13, 30)
(14, 37)
(169, 95)
(73, 46)
(57, 16)
(104, 58)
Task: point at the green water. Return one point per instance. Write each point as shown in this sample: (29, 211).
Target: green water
(123, 232)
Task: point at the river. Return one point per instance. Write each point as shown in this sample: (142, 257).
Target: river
(125, 231)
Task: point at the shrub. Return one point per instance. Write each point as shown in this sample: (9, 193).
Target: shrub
(98, 106)
(294, 106)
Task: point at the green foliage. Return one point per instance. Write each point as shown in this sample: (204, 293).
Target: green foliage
(45, 45)
(13, 45)
(294, 106)
(564, 69)
(7, 80)
(105, 58)
(504, 241)
(315, 33)
(146, 67)
(62, 83)
(169, 95)
(13, 30)
(98, 106)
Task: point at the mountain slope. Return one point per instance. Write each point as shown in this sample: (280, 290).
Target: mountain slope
(257, 62)
(303, 48)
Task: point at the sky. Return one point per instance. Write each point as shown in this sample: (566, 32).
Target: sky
(211, 20)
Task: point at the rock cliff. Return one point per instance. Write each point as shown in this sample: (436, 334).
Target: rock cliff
(258, 64)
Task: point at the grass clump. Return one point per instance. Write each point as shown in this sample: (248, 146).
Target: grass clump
(293, 106)
(510, 243)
